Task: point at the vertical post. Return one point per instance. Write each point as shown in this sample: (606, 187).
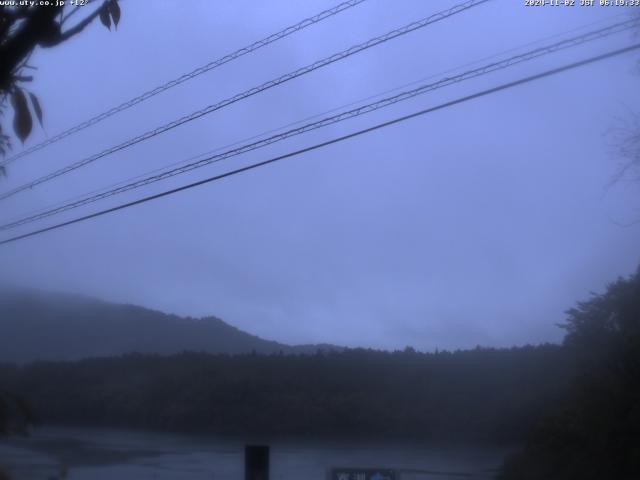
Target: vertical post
(256, 462)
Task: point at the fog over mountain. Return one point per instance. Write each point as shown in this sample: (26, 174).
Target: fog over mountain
(478, 224)
(37, 325)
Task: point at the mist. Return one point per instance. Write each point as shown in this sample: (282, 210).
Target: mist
(427, 296)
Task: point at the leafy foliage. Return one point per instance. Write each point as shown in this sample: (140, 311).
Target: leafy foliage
(22, 122)
(114, 11)
(22, 29)
(35, 104)
(5, 140)
(595, 432)
(110, 13)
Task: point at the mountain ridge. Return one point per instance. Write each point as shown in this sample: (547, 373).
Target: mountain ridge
(39, 325)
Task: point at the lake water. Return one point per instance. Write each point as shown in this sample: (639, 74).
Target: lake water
(101, 454)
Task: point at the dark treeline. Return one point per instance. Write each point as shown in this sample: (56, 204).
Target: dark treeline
(594, 432)
(575, 406)
(475, 395)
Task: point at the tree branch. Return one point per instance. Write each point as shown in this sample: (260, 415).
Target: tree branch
(79, 27)
(36, 27)
(70, 14)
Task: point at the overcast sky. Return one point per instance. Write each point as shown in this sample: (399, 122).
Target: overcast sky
(478, 224)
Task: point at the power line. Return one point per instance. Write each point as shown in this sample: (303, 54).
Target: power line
(307, 22)
(371, 107)
(589, 36)
(317, 146)
(314, 116)
(255, 90)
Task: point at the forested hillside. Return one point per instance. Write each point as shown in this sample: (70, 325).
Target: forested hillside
(481, 394)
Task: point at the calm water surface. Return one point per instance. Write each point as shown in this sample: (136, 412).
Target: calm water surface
(101, 454)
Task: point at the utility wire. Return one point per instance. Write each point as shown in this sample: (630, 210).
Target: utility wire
(456, 9)
(318, 115)
(317, 146)
(307, 22)
(362, 110)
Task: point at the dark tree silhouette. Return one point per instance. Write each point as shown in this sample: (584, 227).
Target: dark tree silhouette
(22, 30)
(595, 432)
(484, 394)
(16, 414)
(15, 417)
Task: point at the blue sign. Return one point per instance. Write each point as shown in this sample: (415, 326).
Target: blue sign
(363, 474)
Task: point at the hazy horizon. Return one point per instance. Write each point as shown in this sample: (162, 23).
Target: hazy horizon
(91, 298)
(476, 225)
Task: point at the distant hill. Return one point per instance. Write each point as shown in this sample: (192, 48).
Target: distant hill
(36, 325)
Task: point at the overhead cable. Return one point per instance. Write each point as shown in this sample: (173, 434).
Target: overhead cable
(307, 22)
(346, 115)
(317, 146)
(413, 26)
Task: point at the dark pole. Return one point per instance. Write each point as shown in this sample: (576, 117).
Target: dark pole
(256, 462)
